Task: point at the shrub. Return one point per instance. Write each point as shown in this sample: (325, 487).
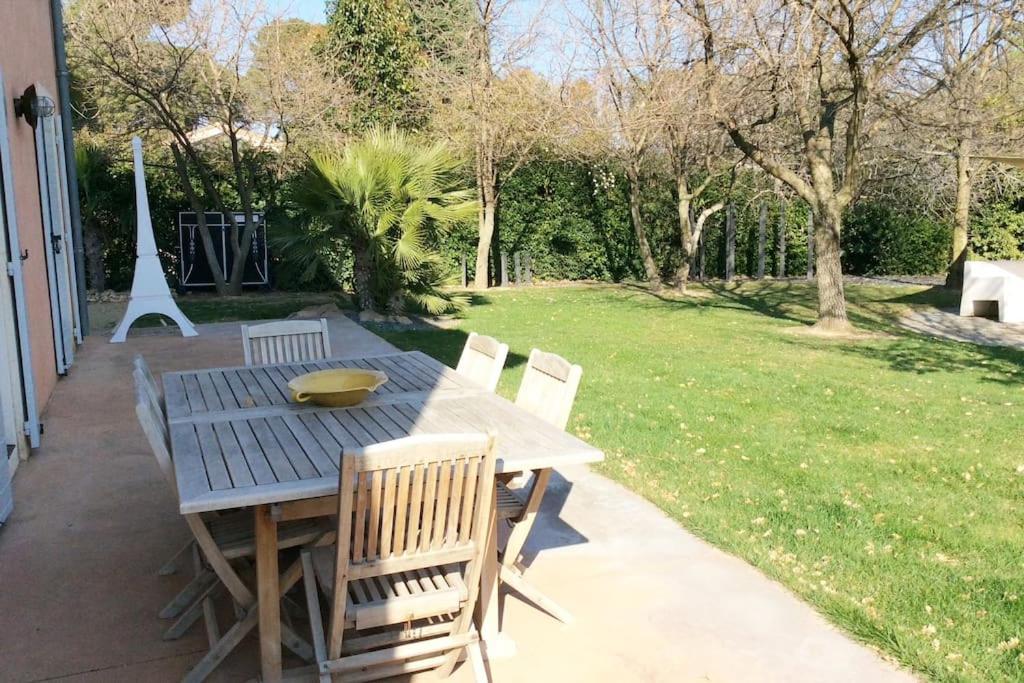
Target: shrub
(879, 240)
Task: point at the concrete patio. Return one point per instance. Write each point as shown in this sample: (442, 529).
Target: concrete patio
(79, 591)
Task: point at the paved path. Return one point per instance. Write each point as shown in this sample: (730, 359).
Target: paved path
(950, 325)
(94, 519)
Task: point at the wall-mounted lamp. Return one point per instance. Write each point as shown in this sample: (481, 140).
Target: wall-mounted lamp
(33, 107)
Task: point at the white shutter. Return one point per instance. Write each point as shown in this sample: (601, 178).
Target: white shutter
(58, 247)
(13, 268)
(6, 495)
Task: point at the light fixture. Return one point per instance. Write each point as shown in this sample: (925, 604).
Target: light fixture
(33, 106)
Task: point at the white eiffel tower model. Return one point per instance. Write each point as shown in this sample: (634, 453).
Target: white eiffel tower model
(150, 293)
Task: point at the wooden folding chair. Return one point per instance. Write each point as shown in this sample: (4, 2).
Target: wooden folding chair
(482, 360)
(144, 378)
(219, 540)
(403, 579)
(548, 390)
(287, 341)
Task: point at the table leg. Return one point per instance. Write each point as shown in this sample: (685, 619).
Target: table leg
(268, 594)
(496, 643)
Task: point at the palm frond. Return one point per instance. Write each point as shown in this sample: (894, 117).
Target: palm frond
(394, 194)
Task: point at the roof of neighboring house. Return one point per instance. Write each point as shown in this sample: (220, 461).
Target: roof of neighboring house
(256, 138)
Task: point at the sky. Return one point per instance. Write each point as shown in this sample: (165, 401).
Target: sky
(308, 10)
(546, 58)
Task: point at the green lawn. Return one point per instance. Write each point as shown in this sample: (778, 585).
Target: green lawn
(881, 480)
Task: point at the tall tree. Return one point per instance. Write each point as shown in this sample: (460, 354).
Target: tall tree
(810, 81)
(106, 206)
(699, 155)
(631, 44)
(373, 45)
(968, 75)
(484, 99)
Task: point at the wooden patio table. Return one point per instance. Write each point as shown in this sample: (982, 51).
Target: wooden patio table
(237, 441)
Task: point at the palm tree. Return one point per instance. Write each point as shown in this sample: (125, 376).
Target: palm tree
(386, 195)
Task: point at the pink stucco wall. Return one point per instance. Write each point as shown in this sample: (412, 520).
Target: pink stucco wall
(26, 57)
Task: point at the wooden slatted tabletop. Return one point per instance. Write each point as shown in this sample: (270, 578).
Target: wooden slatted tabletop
(237, 440)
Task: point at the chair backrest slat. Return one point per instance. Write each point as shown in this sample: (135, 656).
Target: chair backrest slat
(548, 388)
(154, 426)
(287, 341)
(414, 497)
(482, 360)
(148, 381)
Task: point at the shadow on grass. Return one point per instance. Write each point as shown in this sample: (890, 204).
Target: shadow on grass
(782, 300)
(444, 344)
(922, 355)
(904, 351)
(937, 296)
(775, 301)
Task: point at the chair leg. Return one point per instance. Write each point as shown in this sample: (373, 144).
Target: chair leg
(209, 609)
(172, 565)
(316, 622)
(296, 643)
(476, 661)
(514, 580)
(523, 525)
(509, 572)
(188, 594)
(223, 648)
(191, 615)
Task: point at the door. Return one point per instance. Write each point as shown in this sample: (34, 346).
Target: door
(57, 230)
(16, 380)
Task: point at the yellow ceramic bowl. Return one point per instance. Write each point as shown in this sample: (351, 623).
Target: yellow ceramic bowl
(336, 388)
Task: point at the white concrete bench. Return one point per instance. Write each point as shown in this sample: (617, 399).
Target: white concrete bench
(999, 282)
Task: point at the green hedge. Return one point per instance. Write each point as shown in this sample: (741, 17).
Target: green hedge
(997, 231)
(879, 240)
(573, 220)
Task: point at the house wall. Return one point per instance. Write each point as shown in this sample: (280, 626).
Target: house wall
(26, 56)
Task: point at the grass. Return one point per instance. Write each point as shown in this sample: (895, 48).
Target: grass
(880, 480)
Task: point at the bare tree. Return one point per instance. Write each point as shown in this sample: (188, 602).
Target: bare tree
(809, 81)
(484, 99)
(698, 151)
(180, 68)
(631, 46)
(963, 88)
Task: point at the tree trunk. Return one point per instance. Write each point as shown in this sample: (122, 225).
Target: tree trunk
(686, 237)
(762, 224)
(730, 243)
(488, 214)
(240, 238)
(362, 274)
(962, 214)
(240, 250)
(199, 208)
(810, 244)
(780, 255)
(831, 295)
(496, 248)
(95, 263)
(701, 260)
(650, 267)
